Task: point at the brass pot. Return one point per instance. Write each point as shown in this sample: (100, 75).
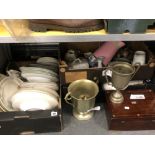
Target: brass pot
(81, 95)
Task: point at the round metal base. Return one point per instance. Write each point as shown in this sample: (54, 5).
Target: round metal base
(83, 116)
(116, 97)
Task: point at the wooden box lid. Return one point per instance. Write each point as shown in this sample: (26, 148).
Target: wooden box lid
(133, 108)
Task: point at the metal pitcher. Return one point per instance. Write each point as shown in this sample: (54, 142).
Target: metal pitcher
(81, 95)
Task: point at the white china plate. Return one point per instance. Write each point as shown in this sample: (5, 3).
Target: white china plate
(29, 100)
(37, 70)
(8, 87)
(53, 67)
(42, 89)
(2, 77)
(47, 60)
(50, 85)
(39, 77)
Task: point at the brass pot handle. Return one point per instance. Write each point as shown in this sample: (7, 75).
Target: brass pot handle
(68, 98)
(95, 108)
(136, 70)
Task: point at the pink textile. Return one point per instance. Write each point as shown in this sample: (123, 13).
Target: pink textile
(108, 50)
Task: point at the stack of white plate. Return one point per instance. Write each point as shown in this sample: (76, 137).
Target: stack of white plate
(8, 87)
(39, 92)
(15, 96)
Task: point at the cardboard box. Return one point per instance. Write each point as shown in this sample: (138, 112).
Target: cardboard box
(145, 72)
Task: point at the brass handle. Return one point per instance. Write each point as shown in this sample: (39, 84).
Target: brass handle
(95, 108)
(68, 98)
(138, 66)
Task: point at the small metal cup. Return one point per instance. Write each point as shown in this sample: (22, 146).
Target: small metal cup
(82, 95)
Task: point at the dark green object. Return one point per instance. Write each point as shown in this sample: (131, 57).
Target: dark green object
(116, 26)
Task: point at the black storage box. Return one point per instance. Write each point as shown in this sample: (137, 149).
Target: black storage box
(30, 122)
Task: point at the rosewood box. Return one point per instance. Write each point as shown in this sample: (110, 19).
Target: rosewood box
(137, 112)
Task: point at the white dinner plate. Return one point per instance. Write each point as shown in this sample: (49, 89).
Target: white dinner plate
(38, 70)
(42, 89)
(53, 67)
(2, 77)
(50, 85)
(8, 87)
(47, 60)
(29, 100)
(39, 77)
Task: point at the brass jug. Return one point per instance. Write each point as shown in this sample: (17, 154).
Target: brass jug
(82, 95)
